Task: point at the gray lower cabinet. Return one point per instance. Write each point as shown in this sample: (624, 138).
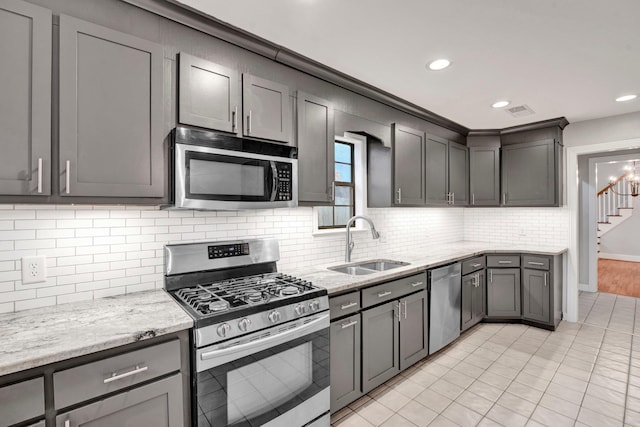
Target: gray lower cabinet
(536, 295)
(111, 112)
(25, 85)
(437, 170)
(474, 297)
(414, 329)
(458, 174)
(22, 401)
(208, 94)
(157, 404)
(345, 361)
(503, 292)
(266, 109)
(408, 165)
(315, 149)
(484, 176)
(380, 345)
(531, 173)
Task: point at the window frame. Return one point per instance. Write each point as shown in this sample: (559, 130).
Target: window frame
(337, 184)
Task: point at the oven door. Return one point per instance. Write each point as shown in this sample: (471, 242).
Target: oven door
(212, 178)
(277, 377)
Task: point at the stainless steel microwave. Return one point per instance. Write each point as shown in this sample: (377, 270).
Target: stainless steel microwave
(213, 171)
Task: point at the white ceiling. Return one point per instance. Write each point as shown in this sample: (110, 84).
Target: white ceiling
(567, 58)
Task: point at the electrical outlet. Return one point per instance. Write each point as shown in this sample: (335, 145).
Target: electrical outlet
(34, 269)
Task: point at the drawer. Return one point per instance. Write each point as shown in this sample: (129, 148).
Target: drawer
(94, 379)
(508, 261)
(536, 262)
(473, 264)
(393, 289)
(21, 401)
(344, 304)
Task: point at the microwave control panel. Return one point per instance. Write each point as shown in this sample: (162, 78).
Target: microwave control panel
(284, 190)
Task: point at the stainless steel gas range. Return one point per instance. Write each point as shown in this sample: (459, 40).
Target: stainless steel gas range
(260, 347)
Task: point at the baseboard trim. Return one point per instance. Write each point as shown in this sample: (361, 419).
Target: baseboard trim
(619, 257)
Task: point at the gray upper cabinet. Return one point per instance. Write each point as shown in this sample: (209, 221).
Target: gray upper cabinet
(25, 85)
(484, 172)
(437, 170)
(208, 94)
(315, 149)
(414, 327)
(345, 361)
(111, 100)
(266, 109)
(530, 173)
(458, 174)
(409, 155)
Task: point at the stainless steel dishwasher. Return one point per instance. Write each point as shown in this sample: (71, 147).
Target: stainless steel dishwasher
(445, 290)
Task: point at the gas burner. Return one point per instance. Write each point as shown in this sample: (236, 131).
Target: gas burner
(254, 296)
(289, 290)
(204, 297)
(218, 305)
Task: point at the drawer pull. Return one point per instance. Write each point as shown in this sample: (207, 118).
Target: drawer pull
(535, 263)
(348, 325)
(67, 423)
(384, 294)
(348, 305)
(416, 284)
(475, 265)
(504, 262)
(115, 377)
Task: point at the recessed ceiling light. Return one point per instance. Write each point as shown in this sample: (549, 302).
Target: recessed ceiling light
(626, 98)
(439, 64)
(500, 104)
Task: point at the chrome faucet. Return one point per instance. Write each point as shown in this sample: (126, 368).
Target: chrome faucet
(350, 244)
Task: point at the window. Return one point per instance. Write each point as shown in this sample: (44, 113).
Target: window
(344, 207)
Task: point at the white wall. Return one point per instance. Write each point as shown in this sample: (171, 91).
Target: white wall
(623, 241)
(615, 128)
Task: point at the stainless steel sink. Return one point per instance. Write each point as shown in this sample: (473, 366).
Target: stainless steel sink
(368, 267)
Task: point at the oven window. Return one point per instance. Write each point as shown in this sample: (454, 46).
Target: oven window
(231, 179)
(255, 389)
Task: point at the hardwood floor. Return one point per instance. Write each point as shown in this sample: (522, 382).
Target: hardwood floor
(619, 277)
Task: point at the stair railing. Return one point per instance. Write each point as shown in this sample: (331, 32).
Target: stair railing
(613, 197)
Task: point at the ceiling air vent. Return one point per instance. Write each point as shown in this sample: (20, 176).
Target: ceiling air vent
(520, 111)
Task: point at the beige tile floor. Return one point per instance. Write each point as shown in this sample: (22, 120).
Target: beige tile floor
(583, 374)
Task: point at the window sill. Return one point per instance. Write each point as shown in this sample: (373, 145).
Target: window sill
(337, 232)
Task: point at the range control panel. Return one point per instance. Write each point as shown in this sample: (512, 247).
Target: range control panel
(226, 251)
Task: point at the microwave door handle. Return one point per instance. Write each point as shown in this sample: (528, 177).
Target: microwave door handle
(274, 180)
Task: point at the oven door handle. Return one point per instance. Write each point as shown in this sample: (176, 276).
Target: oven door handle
(224, 355)
(274, 180)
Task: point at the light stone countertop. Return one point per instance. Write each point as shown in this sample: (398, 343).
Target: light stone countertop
(40, 336)
(420, 259)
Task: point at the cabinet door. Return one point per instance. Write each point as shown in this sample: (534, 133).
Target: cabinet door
(22, 401)
(408, 159)
(484, 171)
(459, 174)
(111, 141)
(158, 404)
(380, 342)
(467, 301)
(536, 295)
(25, 110)
(414, 326)
(479, 306)
(208, 94)
(266, 108)
(315, 149)
(503, 292)
(345, 362)
(529, 175)
(437, 170)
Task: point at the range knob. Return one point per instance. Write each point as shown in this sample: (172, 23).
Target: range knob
(244, 324)
(314, 305)
(274, 316)
(224, 329)
(300, 309)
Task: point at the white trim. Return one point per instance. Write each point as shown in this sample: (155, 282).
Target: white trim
(571, 308)
(620, 257)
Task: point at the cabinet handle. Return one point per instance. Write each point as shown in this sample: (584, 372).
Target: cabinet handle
(453, 198)
(475, 265)
(477, 280)
(473, 198)
(490, 276)
(67, 423)
(384, 294)
(249, 123)
(68, 178)
(416, 284)
(504, 198)
(399, 305)
(535, 263)
(39, 174)
(545, 279)
(399, 195)
(348, 325)
(348, 305)
(405, 309)
(115, 377)
(333, 191)
(234, 122)
(504, 262)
